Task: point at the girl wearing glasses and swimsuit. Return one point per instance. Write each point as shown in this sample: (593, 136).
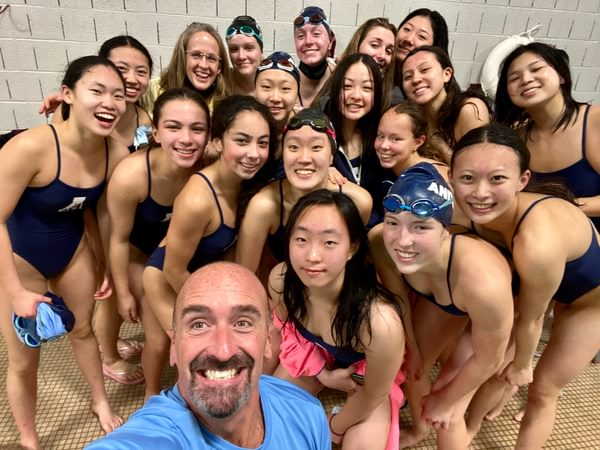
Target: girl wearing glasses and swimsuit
(416, 255)
(309, 144)
(245, 44)
(199, 62)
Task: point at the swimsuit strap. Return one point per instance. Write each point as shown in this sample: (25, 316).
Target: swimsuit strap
(149, 172)
(281, 203)
(452, 241)
(527, 211)
(137, 116)
(583, 133)
(57, 150)
(214, 195)
(340, 187)
(106, 153)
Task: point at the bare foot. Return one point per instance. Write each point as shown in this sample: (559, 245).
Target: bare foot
(508, 394)
(411, 436)
(108, 419)
(29, 444)
(519, 416)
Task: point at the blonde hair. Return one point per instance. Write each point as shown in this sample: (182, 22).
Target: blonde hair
(174, 75)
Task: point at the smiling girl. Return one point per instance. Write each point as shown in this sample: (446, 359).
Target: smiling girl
(206, 213)
(555, 253)
(308, 147)
(428, 80)
(413, 249)
(52, 177)
(245, 44)
(140, 203)
(563, 135)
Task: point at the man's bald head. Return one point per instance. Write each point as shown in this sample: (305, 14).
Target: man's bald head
(217, 279)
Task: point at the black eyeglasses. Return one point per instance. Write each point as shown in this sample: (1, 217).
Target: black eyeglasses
(314, 19)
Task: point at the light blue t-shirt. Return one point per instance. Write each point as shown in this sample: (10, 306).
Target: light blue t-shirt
(293, 418)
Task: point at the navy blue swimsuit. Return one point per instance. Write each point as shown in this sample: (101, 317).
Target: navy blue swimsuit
(343, 357)
(581, 178)
(211, 248)
(451, 308)
(581, 275)
(276, 241)
(46, 226)
(151, 219)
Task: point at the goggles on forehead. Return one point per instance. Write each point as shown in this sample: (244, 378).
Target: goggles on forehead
(313, 19)
(422, 207)
(320, 125)
(271, 63)
(246, 30)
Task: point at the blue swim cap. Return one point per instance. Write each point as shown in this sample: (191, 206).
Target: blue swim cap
(422, 191)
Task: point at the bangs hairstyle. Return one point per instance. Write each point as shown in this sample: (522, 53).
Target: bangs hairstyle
(125, 41)
(357, 39)
(505, 136)
(510, 114)
(181, 93)
(224, 114)
(360, 288)
(174, 75)
(333, 110)
(78, 68)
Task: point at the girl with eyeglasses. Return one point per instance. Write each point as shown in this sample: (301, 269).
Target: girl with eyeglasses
(207, 212)
(245, 44)
(52, 178)
(339, 328)
(428, 80)
(199, 62)
(417, 258)
(309, 144)
(556, 254)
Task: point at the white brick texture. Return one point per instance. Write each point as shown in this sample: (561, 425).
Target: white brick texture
(39, 37)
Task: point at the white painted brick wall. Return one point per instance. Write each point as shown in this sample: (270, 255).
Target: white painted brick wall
(39, 37)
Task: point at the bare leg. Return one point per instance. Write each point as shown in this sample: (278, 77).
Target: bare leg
(156, 350)
(434, 329)
(76, 286)
(574, 341)
(371, 432)
(158, 304)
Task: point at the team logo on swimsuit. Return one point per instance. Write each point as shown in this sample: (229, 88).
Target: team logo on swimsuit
(167, 217)
(76, 203)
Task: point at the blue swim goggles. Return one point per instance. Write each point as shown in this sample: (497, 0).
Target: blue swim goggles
(422, 207)
(252, 29)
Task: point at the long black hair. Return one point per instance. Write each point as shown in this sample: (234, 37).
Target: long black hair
(360, 288)
(510, 114)
(505, 136)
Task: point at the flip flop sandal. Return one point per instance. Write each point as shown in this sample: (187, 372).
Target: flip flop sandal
(26, 331)
(128, 348)
(121, 377)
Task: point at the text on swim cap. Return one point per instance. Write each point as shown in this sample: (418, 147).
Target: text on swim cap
(440, 190)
